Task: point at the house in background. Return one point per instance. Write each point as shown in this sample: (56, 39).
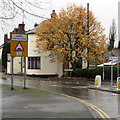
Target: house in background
(37, 63)
(111, 58)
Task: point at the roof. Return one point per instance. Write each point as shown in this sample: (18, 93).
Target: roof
(32, 31)
(113, 62)
(112, 53)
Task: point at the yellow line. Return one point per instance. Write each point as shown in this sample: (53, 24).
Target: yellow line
(95, 107)
(99, 111)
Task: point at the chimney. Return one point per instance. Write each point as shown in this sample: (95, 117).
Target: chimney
(5, 38)
(35, 25)
(53, 15)
(21, 28)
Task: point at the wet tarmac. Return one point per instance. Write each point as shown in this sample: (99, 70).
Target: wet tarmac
(30, 103)
(106, 101)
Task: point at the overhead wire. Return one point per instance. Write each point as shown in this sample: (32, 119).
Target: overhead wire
(11, 10)
(7, 10)
(27, 11)
(35, 5)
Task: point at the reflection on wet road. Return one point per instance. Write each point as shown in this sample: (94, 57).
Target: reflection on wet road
(106, 101)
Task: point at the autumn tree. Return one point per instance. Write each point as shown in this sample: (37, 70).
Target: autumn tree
(112, 35)
(65, 36)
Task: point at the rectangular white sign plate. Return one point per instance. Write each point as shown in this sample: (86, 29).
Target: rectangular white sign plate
(18, 53)
(68, 70)
(19, 37)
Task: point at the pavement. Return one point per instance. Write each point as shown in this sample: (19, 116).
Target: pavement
(107, 88)
(33, 103)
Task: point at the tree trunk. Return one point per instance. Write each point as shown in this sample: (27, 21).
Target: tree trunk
(88, 65)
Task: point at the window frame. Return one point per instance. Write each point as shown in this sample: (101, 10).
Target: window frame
(34, 62)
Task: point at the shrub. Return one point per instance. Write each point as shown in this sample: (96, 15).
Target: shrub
(97, 71)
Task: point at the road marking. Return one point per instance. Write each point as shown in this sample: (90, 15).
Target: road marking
(98, 110)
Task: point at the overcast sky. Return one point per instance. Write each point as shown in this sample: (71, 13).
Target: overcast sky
(104, 10)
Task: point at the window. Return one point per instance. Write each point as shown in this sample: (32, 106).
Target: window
(33, 62)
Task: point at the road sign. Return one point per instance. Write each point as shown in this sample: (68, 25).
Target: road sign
(68, 70)
(18, 45)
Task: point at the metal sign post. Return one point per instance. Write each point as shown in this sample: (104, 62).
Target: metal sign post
(69, 70)
(114, 58)
(24, 72)
(12, 66)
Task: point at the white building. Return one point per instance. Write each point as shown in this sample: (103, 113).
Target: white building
(36, 63)
(39, 63)
(1, 48)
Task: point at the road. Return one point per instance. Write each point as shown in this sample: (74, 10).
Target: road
(107, 102)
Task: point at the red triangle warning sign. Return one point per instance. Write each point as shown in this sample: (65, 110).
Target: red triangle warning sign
(19, 47)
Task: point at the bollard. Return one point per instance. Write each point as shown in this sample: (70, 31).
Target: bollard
(118, 83)
(98, 81)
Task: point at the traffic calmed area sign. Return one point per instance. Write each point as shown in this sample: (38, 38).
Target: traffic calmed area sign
(19, 37)
(18, 45)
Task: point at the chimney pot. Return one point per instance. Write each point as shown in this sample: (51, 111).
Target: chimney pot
(35, 25)
(53, 15)
(21, 28)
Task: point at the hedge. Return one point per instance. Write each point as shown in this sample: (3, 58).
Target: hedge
(97, 71)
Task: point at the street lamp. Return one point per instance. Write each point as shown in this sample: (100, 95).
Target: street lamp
(118, 64)
(103, 65)
(111, 73)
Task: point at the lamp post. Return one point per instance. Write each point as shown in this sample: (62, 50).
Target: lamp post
(111, 73)
(103, 65)
(118, 64)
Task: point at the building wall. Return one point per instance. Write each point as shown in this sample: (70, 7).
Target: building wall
(0, 53)
(16, 66)
(84, 64)
(47, 67)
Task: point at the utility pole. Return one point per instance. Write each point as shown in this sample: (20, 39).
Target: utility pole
(88, 40)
